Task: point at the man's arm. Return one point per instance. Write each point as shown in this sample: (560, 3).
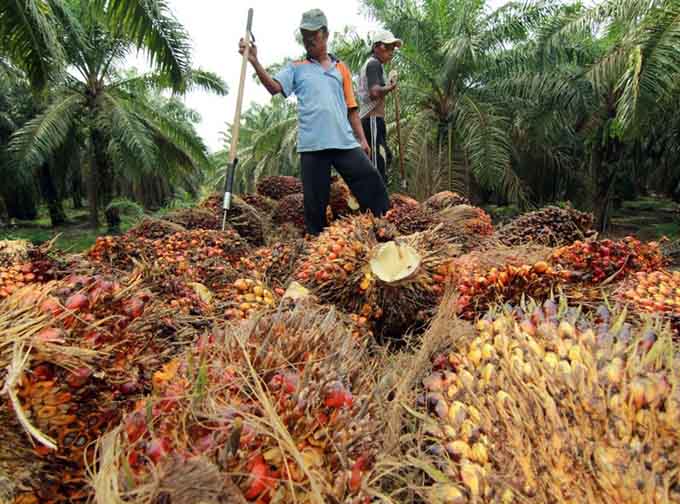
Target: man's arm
(374, 75)
(377, 92)
(355, 121)
(272, 85)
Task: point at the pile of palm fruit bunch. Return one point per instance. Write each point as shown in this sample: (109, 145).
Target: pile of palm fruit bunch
(607, 260)
(22, 264)
(278, 187)
(74, 354)
(394, 284)
(259, 202)
(244, 298)
(246, 220)
(656, 291)
(468, 225)
(276, 410)
(445, 199)
(281, 267)
(541, 404)
(551, 226)
(410, 219)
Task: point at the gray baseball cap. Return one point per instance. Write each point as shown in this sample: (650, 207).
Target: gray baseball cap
(313, 20)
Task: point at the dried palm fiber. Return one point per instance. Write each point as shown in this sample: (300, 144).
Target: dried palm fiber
(395, 283)
(470, 226)
(91, 345)
(195, 218)
(399, 200)
(278, 187)
(342, 202)
(551, 226)
(291, 209)
(445, 199)
(263, 204)
(246, 220)
(155, 229)
(13, 252)
(545, 405)
(280, 404)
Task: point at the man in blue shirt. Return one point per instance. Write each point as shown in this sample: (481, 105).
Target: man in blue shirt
(329, 127)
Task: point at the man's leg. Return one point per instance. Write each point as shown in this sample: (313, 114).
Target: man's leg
(362, 179)
(384, 154)
(316, 183)
(371, 126)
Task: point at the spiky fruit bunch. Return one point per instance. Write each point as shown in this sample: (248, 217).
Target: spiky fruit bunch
(245, 298)
(551, 226)
(608, 259)
(545, 404)
(280, 404)
(195, 218)
(261, 203)
(155, 229)
(465, 224)
(508, 284)
(657, 291)
(186, 253)
(246, 220)
(341, 201)
(19, 275)
(291, 209)
(410, 218)
(282, 266)
(396, 282)
(445, 199)
(400, 200)
(278, 187)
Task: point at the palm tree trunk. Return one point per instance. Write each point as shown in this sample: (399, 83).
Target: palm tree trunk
(48, 188)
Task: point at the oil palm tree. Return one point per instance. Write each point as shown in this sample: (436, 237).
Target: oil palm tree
(120, 128)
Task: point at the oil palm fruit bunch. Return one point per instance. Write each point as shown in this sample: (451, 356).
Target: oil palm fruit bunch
(410, 219)
(245, 297)
(195, 218)
(506, 284)
(341, 201)
(396, 282)
(13, 252)
(291, 209)
(542, 404)
(468, 225)
(278, 187)
(551, 226)
(656, 291)
(246, 220)
(155, 229)
(281, 268)
(121, 252)
(23, 264)
(399, 200)
(261, 203)
(280, 403)
(597, 261)
(75, 351)
(445, 199)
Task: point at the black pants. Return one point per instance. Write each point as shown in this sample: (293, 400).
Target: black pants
(376, 135)
(357, 171)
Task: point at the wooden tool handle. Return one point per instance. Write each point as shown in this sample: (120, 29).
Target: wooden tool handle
(236, 125)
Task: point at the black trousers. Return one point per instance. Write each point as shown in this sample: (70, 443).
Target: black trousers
(376, 134)
(355, 168)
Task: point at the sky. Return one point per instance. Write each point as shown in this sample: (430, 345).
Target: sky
(215, 27)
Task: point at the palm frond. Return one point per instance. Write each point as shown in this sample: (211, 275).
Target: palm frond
(152, 27)
(40, 137)
(29, 38)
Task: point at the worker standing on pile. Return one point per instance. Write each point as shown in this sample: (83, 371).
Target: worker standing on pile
(372, 93)
(329, 127)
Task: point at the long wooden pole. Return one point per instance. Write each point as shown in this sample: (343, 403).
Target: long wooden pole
(236, 125)
(397, 108)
